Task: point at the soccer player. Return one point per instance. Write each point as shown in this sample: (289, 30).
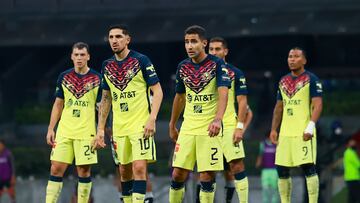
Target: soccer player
(128, 77)
(298, 107)
(234, 125)
(201, 89)
(77, 92)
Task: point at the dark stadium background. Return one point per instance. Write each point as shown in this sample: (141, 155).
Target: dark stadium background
(35, 45)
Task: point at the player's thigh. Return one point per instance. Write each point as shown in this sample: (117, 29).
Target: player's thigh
(231, 151)
(283, 156)
(143, 148)
(84, 155)
(303, 151)
(209, 154)
(123, 149)
(63, 150)
(185, 152)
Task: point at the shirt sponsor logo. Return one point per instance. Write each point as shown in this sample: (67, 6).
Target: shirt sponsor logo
(292, 102)
(200, 98)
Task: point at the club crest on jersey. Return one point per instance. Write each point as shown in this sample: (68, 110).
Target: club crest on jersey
(197, 79)
(120, 76)
(69, 103)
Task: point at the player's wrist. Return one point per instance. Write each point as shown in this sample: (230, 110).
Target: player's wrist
(240, 125)
(310, 128)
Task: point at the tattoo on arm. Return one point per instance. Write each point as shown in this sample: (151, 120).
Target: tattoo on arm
(104, 110)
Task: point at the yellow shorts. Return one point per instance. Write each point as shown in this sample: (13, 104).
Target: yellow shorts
(67, 149)
(231, 151)
(134, 147)
(204, 150)
(293, 151)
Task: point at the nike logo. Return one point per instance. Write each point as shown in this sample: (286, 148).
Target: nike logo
(237, 152)
(89, 158)
(142, 153)
(213, 163)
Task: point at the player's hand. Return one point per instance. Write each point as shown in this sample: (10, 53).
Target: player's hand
(149, 129)
(98, 141)
(273, 137)
(174, 133)
(50, 137)
(307, 136)
(214, 127)
(238, 135)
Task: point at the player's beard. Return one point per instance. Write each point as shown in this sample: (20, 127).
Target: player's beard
(119, 51)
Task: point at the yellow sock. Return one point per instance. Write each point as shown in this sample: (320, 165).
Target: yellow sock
(207, 196)
(127, 199)
(138, 197)
(53, 190)
(84, 190)
(312, 184)
(176, 196)
(242, 188)
(284, 185)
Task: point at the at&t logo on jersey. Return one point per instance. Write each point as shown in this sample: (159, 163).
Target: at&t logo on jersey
(200, 98)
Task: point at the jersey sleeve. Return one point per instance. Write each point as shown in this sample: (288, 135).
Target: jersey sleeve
(240, 84)
(315, 87)
(59, 92)
(179, 86)
(104, 85)
(222, 76)
(148, 71)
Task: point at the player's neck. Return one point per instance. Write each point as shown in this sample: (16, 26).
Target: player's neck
(82, 70)
(199, 58)
(122, 55)
(297, 72)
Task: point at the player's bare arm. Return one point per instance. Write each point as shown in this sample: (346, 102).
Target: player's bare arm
(240, 127)
(215, 125)
(54, 118)
(149, 129)
(104, 110)
(177, 108)
(248, 117)
(316, 112)
(276, 121)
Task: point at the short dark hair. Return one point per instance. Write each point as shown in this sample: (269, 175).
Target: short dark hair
(123, 27)
(196, 29)
(81, 45)
(301, 49)
(219, 39)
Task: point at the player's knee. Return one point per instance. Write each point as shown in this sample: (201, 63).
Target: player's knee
(207, 176)
(139, 169)
(237, 166)
(283, 172)
(57, 170)
(309, 169)
(179, 175)
(84, 171)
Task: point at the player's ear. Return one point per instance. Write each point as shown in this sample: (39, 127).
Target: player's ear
(226, 51)
(128, 39)
(305, 61)
(204, 42)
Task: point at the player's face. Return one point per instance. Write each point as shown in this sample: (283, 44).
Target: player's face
(217, 49)
(118, 40)
(296, 60)
(194, 45)
(80, 57)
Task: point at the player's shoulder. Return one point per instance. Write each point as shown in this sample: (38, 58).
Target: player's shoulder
(285, 77)
(185, 61)
(66, 72)
(215, 59)
(311, 75)
(142, 58)
(235, 69)
(94, 72)
(108, 60)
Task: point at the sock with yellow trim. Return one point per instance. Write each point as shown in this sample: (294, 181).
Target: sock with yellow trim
(242, 186)
(285, 186)
(84, 189)
(312, 184)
